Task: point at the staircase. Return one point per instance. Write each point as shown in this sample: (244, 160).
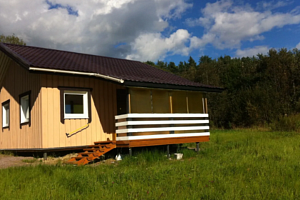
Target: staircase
(93, 152)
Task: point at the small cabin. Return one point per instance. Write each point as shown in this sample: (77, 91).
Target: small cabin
(57, 100)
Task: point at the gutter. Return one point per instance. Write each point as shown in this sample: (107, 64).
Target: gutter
(77, 73)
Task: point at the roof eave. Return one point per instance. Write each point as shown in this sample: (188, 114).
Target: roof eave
(171, 86)
(14, 56)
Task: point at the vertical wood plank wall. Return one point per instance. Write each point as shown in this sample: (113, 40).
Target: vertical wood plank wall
(164, 101)
(4, 63)
(17, 81)
(103, 107)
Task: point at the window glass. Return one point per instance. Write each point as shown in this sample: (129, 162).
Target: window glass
(25, 109)
(5, 115)
(75, 104)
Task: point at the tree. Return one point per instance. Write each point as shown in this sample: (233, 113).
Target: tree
(172, 68)
(192, 63)
(12, 39)
(205, 59)
(150, 63)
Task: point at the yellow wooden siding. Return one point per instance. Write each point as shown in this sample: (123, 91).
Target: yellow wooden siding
(140, 100)
(179, 102)
(195, 104)
(161, 101)
(17, 81)
(103, 108)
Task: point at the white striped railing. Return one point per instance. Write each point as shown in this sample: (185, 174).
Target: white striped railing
(135, 123)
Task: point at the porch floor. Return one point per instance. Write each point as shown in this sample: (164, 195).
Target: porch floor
(160, 141)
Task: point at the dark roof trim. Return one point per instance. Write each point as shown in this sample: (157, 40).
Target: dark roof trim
(14, 56)
(172, 87)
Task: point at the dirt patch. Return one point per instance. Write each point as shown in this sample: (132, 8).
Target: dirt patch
(16, 161)
(56, 160)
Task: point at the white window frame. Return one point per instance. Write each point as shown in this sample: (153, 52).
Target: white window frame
(23, 117)
(5, 111)
(85, 114)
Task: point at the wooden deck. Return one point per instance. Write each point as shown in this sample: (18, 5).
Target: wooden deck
(152, 129)
(161, 141)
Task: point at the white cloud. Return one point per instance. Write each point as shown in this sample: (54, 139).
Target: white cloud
(176, 6)
(153, 46)
(229, 24)
(252, 51)
(100, 26)
(298, 46)
(270, 5)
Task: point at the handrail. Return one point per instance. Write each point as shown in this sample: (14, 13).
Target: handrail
(161, 115)
(130, 123)
(78, 130)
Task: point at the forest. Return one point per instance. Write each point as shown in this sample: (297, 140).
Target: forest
(262, 90)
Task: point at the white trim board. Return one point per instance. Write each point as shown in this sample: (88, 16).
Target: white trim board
(128, 123)
(160, 115)
(161, 136)
(182, 128)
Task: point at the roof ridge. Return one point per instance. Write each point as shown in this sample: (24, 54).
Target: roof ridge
(71, 52)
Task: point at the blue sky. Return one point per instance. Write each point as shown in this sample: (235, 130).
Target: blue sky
(168, 30)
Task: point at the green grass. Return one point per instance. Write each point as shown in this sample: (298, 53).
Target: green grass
(239, 164)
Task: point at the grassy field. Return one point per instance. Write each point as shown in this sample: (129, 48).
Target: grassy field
(239, 164)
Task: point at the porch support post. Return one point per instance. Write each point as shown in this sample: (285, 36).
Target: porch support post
(197, 147)
(45, 155)
(130, 151)
(172, 125)
(168, 151)
(129, 134)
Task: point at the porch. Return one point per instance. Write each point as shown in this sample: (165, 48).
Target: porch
(151, 129)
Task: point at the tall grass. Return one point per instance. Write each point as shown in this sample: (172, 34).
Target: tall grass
(240, 164)
(287, 123)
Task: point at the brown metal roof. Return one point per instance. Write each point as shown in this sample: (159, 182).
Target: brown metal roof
(127, 70)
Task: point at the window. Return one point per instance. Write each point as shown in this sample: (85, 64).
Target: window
(5, 114)
(76, 104)
(25, 108)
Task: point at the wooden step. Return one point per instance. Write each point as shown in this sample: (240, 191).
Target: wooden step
(103, 142)
(93, 149)
(85, 154)
(92, 153)
(98, 146)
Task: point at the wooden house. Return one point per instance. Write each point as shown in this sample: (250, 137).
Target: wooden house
(57, 100)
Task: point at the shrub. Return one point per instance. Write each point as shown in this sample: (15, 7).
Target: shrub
(287, 123)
